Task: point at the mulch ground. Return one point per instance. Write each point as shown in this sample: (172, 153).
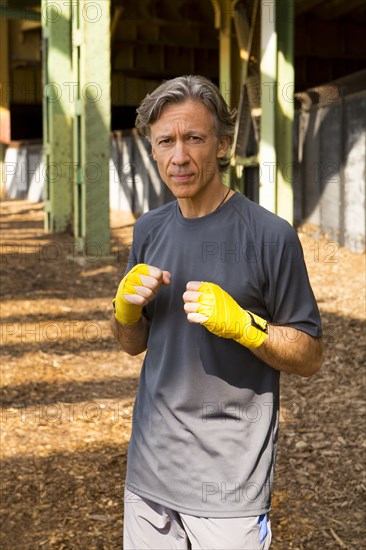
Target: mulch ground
(68, 391)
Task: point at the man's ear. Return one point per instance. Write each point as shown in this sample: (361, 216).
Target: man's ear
(223, 146)
(153, 153)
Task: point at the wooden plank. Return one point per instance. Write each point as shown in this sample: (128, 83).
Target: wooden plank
(336, 9)
(304, 6)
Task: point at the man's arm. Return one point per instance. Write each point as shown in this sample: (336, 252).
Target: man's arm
(291, 350)
(132, 338)
(139, 287)
(283, 348)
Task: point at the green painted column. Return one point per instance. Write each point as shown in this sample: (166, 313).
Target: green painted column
(57, 114)
(277, 88)
(285, 107)
(225, 51)
(223, 10)
(4, 100)
(91, 62)
(267, 145)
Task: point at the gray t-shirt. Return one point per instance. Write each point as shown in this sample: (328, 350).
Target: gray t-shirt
(205, 420)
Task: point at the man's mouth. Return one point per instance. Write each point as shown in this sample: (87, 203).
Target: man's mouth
(181, 177)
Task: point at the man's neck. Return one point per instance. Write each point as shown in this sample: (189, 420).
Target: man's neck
(198, 207)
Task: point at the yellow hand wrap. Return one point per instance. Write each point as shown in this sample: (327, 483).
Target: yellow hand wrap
(125, 312)
(227, 319)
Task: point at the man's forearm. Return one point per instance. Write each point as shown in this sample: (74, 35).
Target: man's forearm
(132, 338)
(291, 350)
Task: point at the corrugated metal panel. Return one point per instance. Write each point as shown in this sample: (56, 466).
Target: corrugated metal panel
(331, 158)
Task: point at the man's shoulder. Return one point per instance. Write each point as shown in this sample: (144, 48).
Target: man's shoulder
(261, 221)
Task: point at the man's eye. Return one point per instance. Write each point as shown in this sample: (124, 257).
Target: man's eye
(195, 138)
(165, 141)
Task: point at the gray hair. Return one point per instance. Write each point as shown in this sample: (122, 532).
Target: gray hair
(179, 90)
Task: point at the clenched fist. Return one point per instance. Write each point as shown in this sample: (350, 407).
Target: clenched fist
(212, 307)
(137, 289)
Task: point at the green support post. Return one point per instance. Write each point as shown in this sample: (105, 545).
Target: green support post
(225, 51)
(285, 107)
(223, 10)
(57, 114)
(91, 62)
(267, 145)
(4, 100)
(277, 85)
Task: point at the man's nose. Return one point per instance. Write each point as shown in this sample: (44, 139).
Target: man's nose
(180, 155)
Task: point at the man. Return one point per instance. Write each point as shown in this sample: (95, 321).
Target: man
(216, 291)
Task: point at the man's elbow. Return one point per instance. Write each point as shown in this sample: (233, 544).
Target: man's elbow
(314, 364)
(131, 346)
(133, 350)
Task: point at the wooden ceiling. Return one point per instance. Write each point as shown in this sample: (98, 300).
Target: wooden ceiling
(201, 10)
(327, 10)
(154, 39)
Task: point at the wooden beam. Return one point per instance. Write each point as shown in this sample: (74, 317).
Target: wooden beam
(336, 39)
(336, 9)
(243, 35)
(305, 6)
(165, 22)
(18, 13)
(115, 20)
(207, 45)
(217, 13)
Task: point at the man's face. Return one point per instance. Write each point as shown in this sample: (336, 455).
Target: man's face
(186, 148)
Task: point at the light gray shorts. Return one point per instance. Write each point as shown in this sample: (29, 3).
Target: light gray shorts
(153, 526)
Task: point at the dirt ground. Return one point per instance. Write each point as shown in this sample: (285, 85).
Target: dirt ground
(67, 396)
